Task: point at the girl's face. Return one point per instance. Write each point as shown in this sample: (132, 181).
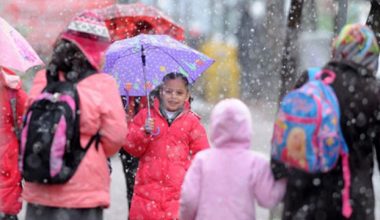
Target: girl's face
(174, 94)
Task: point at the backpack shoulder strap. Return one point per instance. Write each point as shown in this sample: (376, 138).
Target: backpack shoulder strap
(312, 72)
(330, 95)
(96, 138)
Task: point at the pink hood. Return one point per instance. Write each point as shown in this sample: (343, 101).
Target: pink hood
(231, 125)
(225, 182)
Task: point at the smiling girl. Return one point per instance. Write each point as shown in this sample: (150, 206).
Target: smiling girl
(165, 143)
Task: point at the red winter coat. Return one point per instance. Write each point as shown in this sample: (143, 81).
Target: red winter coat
(10, 188)
(164, 160)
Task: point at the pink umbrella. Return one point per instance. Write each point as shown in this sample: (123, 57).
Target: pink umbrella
(15, 51)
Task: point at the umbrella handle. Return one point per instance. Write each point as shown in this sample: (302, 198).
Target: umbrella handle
(149, 115)
(144, 73)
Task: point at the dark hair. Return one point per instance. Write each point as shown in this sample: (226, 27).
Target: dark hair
(70, 60)
(175, 75)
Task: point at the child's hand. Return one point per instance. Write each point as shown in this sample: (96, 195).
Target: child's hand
(149, 125)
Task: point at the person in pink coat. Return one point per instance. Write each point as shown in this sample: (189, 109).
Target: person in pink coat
(225, 181)
(87, 193)
(10, 179)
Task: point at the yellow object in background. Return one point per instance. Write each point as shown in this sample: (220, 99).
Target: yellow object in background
(221, 80)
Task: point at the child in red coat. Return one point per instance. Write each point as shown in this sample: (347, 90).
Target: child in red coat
(10, 117)
(165, 143)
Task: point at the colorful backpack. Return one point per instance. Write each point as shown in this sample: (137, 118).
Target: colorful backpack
(307, 134)
(50, 150)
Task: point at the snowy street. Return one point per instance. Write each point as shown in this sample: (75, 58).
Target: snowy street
(262, 115)
(73, 74)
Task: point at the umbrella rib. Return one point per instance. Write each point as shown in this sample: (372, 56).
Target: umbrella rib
(152, 47)
(126, 54)
(159, 48)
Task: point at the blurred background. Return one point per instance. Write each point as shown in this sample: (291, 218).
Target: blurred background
(260, 46)
(245, 37)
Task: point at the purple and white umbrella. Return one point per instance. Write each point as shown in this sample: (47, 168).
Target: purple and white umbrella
(139, 63)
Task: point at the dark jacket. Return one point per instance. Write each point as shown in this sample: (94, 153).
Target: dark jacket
(318, 196)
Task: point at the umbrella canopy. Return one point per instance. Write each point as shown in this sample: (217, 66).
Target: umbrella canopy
(16, 53)
(129, 20)
(94, 30)
(140, 63)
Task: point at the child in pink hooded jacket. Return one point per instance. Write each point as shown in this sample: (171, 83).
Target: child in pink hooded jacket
(225, 182)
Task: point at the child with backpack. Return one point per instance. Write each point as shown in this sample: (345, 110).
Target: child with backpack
(66, 173)
(225, 182)
(165, 138)
(342, 133)
(12, 105)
